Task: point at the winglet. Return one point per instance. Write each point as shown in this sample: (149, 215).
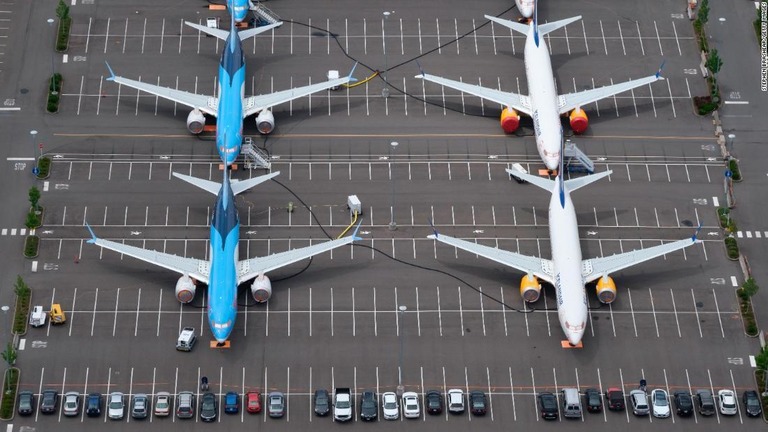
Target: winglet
(354, 235)
(93, 236)
(658, 73)
(351, 78)
(434, 230)
(111, 72)
(696, 234)
(421, 71)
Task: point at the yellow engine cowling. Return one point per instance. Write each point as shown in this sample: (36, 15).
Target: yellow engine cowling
(530, 288)
(579, 120)
(606, 290)
(510, 120)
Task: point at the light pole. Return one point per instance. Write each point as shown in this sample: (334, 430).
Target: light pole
(392, 223)
(729, 142)
(400, 388)
(385, 90)
(53, 67)
(33, 134)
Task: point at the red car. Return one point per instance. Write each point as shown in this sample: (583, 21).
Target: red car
(615, 398)
(253, 402)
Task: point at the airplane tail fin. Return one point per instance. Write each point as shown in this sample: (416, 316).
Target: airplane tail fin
(237, 187)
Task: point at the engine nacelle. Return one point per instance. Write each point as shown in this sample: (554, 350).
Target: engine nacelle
(261, 289)
(579, 120)
(195, 121)
(606, 290)
(510, 120)
(530, 288)
(265, 122)
(185, 289)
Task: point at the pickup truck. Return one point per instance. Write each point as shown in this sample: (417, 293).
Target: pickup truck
(342, 404)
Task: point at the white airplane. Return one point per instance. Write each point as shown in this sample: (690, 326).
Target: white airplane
(566, 271)
(525, 7)
(543, 103)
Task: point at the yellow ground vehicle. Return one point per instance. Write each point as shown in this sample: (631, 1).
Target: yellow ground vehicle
(57, 314)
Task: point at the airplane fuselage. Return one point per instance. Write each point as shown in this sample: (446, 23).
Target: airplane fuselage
(566, 260)
(222, 286)
(238, 8)
(229, 123)
(543, 97)
(525, 7)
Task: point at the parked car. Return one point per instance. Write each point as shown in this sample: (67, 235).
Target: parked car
(411, 405)
(477, 402)
(752, 403)
(548, 406)
(434, 402)
(186, 405)
(48, 401)
(208, 407)
(368, 407)
(71, 404)
(163, 404)
(593, 400)
(322, 402)
(660, 403)
(455, 401)
(276, 404)
(639, 401)
(253, 402)
(115, 406)
(615, 398)
(727, 400)
(683, 403)
(26, 403)
(231, 403)
(389, 406)
(37, 316)
(140, 406)
(705, 402)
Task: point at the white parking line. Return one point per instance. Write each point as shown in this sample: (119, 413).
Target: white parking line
(61, 392)
(621, 36)
(661, 50)
(85, 393)
(690, 392)
(602, 32)
(632, 310)
(106, 35)
(109, 384)
(95, 302)
(88, 34)
(712, 389)
(639, 37)
(669, 402)
(674, 308)
(128, 396)
(439, 45)
(719, 318)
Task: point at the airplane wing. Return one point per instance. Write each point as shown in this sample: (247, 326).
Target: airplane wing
(195, 268)
(595, 268)
(569, 101)
(513, 100)
(254, 104)
(250, 268)
(206, 104)
(539, 267)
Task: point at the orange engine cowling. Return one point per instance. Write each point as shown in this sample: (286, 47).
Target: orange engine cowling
(606, 290)
(510, 120)
(579, 120)
(530, 288)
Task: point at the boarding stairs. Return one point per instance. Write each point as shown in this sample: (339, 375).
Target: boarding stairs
(255, 158)
(576, 160)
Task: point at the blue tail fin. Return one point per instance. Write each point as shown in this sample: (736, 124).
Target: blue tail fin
(536, 24)
(561, 169)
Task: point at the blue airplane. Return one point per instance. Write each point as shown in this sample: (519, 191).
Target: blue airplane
(230, 107)
(239, 8)
(224, 271)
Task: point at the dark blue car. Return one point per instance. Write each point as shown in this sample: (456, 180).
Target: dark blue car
(231, 403)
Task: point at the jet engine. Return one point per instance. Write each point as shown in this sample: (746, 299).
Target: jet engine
(195, 121)
(606, 290)
(185, 289)
(530, 288)
(261, 289)
(579, 120)
(510, 120)
(265, 122)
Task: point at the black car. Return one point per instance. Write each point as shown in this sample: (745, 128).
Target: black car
(322, 402)
(683, 403)
(615, 398)
(593, 399)
(752, 403)
(48, 401)
(434, 402)
(26, 403)
(548, 406)
(208, 407)
(368, 407)
(477, 402)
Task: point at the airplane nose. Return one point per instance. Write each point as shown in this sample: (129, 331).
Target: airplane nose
(575, 337)
(552, 163)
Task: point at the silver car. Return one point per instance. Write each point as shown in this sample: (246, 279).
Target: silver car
(115, 406)
(162, 404)
(140, 406)
(71, 403)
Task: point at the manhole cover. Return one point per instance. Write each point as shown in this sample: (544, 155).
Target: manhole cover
(24, 91)
(687, 223)
(699, 304)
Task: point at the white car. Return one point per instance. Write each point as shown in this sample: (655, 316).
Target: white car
(455, 401)
(37, 317)
(411, 405)
(389, 406)
(71, 403)
(660, 403)
(162, 404)
(727, 401)
(115, 406)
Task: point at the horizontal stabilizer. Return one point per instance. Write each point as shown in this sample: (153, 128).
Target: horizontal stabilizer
(552, 26)
(516, 26)
(206, 185)
(237, 186)
(245, 34)
(244, 185)
(578, 182)
(215, 32)
(541, 182)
